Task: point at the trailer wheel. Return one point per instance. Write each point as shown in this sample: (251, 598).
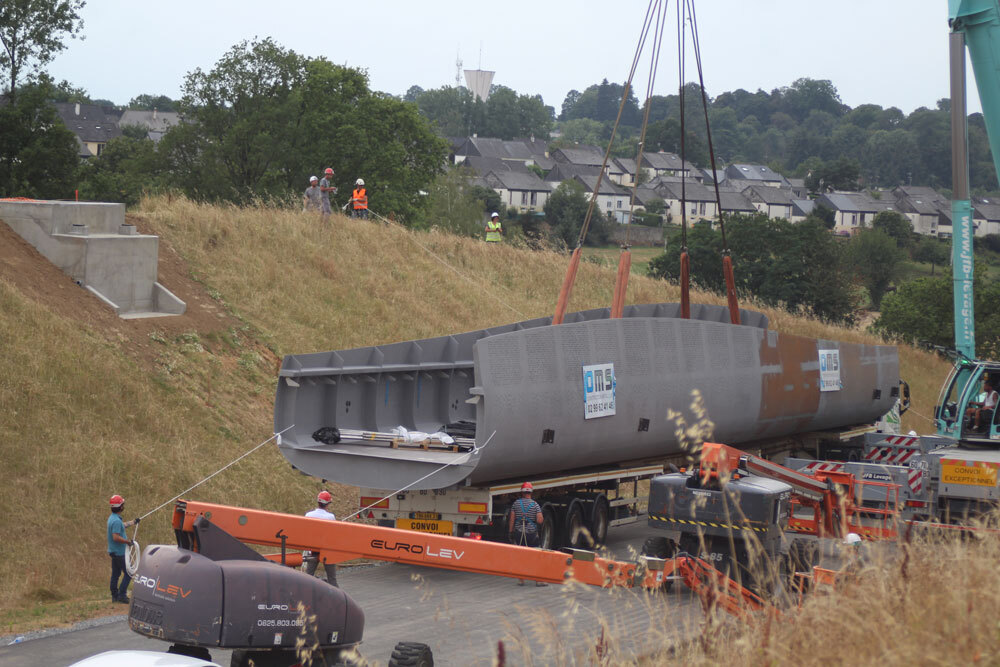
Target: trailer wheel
(599, 520)
(577, 535)
(548, 536)
(411, 654)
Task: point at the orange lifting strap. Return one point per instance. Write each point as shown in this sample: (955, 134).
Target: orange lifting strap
(567, 286)
(621, 284)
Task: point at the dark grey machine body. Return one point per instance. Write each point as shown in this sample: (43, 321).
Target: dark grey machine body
(520, 387)
(231, 597)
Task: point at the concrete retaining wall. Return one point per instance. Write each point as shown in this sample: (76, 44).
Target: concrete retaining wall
(639, 235)
(92, 244)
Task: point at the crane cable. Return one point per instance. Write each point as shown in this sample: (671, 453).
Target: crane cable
(727, 261)
(685, 260)
(625, 260)
(574, 263)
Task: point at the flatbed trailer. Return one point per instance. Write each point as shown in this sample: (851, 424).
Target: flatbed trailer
(578, 508)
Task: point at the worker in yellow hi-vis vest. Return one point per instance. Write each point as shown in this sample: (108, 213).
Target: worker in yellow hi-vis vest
(493, 229)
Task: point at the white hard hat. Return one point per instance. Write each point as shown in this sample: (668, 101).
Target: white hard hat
(360, 181)
(313, 178)
(852, 539)
(495, 215)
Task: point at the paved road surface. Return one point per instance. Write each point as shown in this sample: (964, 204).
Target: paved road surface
(461, 616)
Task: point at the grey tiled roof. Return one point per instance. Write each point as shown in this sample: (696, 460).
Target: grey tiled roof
(155, 121)
(563, 171)
(769, 195)
(854, 202)
(484, 165)
(802, 207)
(666, 161)
(692, 192)
(607, 187)
(589, 155)
(90, 122)
(753, 172)
(989, 211)
(513, 180)
(735, 202)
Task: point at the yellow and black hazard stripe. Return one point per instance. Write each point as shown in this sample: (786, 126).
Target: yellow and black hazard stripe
(710, 524)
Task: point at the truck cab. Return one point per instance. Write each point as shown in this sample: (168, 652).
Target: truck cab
(961, 394)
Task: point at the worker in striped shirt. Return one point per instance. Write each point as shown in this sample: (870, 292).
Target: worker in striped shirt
(526, 520)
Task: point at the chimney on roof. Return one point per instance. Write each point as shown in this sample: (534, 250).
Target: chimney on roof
(475, 135)
(77, 109)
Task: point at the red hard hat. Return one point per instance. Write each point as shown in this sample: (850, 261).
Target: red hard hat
(324, 497)
(329, 170)
(117, 501)
(527, 487)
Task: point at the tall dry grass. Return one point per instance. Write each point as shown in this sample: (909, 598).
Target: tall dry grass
(82, 417)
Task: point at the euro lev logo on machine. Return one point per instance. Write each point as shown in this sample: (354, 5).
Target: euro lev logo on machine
(598, 390)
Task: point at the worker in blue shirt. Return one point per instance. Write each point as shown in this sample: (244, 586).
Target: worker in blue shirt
(117, 541)
(526, 520)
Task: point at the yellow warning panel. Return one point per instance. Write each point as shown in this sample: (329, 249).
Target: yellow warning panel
(440, 527)
(976, 474)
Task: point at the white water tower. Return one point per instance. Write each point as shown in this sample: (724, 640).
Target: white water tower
(479, 82)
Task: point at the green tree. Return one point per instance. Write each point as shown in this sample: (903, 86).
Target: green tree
(149, 102)
(38, 155)
(839, 174)
(565, 211)
(932, 251)
(32, 32)
(124, 170)
(452, 205)
(798, 266)
(921, 311)
(265, 118)
(895, 225)
(876, 260)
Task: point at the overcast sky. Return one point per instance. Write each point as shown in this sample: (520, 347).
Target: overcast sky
(886, 52)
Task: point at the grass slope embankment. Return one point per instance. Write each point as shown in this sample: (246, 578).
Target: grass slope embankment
(93, 405)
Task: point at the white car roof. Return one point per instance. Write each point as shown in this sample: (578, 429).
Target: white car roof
(142, 659)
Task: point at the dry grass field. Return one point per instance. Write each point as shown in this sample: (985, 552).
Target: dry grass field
(93, 405)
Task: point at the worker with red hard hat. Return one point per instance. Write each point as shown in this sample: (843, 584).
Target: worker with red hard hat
(117, 541)
(526, 520)
(326, 188)
(310, 560)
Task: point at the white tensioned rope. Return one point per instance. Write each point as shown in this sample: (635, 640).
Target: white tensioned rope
(415, 482)
(228, 465)
(409, 235)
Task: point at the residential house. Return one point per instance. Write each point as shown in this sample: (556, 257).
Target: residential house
(699, 201)
(853, 211)
(611, 198)
(527, 152)
(155, 122)
(93, 125)
(564, 171)
(801, 208)
(518, 190)
(922, 205)
(756, 173)
(988, 210)
(708, 176)
(484, 165)
(579, 154)
(773, 202)
(734, 202)
(667, 164)
(798, 188)
(625, 168)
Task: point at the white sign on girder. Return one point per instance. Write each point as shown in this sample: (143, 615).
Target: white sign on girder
(829, 371)
(598, 390)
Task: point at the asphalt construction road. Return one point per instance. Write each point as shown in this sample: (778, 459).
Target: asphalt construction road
(461, 616)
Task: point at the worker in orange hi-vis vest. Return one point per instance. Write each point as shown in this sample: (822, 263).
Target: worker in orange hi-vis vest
(360, 200)
(493, 229)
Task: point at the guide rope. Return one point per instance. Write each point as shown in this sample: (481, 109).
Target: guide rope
(415, 482)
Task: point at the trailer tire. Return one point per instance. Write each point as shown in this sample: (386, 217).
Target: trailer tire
(548, 534)
(599, 520)
(264, 658)
(411, 654)
(574, 528)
